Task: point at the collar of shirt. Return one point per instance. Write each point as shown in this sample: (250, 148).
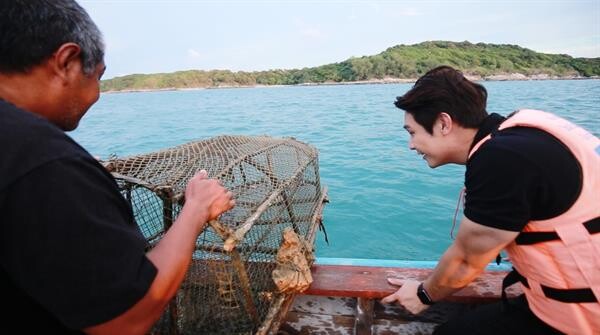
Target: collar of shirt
(489, 124)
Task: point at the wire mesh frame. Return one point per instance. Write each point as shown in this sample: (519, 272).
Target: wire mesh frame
(276, 183)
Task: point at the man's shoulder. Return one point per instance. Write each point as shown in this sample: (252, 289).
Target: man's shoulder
(15, 121)
(29, 141)
(524, 147)
(525, 140)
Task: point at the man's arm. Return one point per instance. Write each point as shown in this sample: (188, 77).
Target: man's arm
(475, 247)
(205, 200)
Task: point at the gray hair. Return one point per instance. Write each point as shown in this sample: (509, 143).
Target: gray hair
(32, 30)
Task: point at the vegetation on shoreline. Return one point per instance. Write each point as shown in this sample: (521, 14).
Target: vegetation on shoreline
(398, 62)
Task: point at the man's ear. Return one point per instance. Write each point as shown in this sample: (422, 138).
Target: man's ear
(65, 60)
(445, 123)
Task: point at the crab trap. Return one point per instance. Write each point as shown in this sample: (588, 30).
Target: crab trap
(247, 265)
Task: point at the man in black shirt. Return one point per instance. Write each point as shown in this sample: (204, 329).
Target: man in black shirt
(72, 258)
(516, 176)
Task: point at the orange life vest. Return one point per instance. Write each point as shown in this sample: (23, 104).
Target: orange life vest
(558, 259)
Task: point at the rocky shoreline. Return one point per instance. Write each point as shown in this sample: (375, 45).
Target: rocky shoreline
(387, 80)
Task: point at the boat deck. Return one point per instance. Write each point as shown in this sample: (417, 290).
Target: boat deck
(345, 300)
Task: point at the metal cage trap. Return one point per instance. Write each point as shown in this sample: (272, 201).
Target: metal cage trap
(248, 265)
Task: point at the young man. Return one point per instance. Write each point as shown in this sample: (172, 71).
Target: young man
(532, 187)
(72, 258)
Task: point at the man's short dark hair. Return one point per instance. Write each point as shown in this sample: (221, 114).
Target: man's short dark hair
(32, 30)
(445, 89)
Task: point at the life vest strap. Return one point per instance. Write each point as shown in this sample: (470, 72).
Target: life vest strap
(573, 295)
(533, 237)
(593, 226)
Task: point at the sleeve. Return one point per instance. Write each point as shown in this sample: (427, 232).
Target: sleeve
(501, 185)
(72, 243)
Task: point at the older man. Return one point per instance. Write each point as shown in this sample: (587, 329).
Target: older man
(72, 257)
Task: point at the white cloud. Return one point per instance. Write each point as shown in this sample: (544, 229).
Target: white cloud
(311, 32)
(308, 30)
(192, 53)
(376, 7)
(408, 12)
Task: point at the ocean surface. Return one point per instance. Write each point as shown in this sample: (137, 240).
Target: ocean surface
(385, 202)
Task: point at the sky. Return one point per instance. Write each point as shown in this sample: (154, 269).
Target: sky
(154, 36)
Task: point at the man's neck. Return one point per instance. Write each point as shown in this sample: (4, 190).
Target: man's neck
(462, 142)
(24, 90)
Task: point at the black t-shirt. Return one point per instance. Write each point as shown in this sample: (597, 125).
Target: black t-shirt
(71, 254)
(520, 174)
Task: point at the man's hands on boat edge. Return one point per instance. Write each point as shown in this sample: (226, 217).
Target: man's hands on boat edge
(473, 249)
(406, 295)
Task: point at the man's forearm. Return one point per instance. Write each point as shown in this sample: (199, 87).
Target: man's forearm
(172, 255)
(452, 273)
(474, 248)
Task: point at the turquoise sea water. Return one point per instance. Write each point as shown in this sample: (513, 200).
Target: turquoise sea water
(386, 203)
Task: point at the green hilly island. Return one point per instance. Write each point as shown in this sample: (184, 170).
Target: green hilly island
(399, 63)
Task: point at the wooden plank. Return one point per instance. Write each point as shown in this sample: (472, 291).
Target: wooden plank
(364, 316)
(386, 318)
(287, 304)
(312, 304)
(318, 324)
(371, 282)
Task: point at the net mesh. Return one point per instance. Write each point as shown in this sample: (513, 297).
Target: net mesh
(229, 287)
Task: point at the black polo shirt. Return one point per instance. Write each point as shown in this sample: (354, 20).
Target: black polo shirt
(520, 174)
(71, 254)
